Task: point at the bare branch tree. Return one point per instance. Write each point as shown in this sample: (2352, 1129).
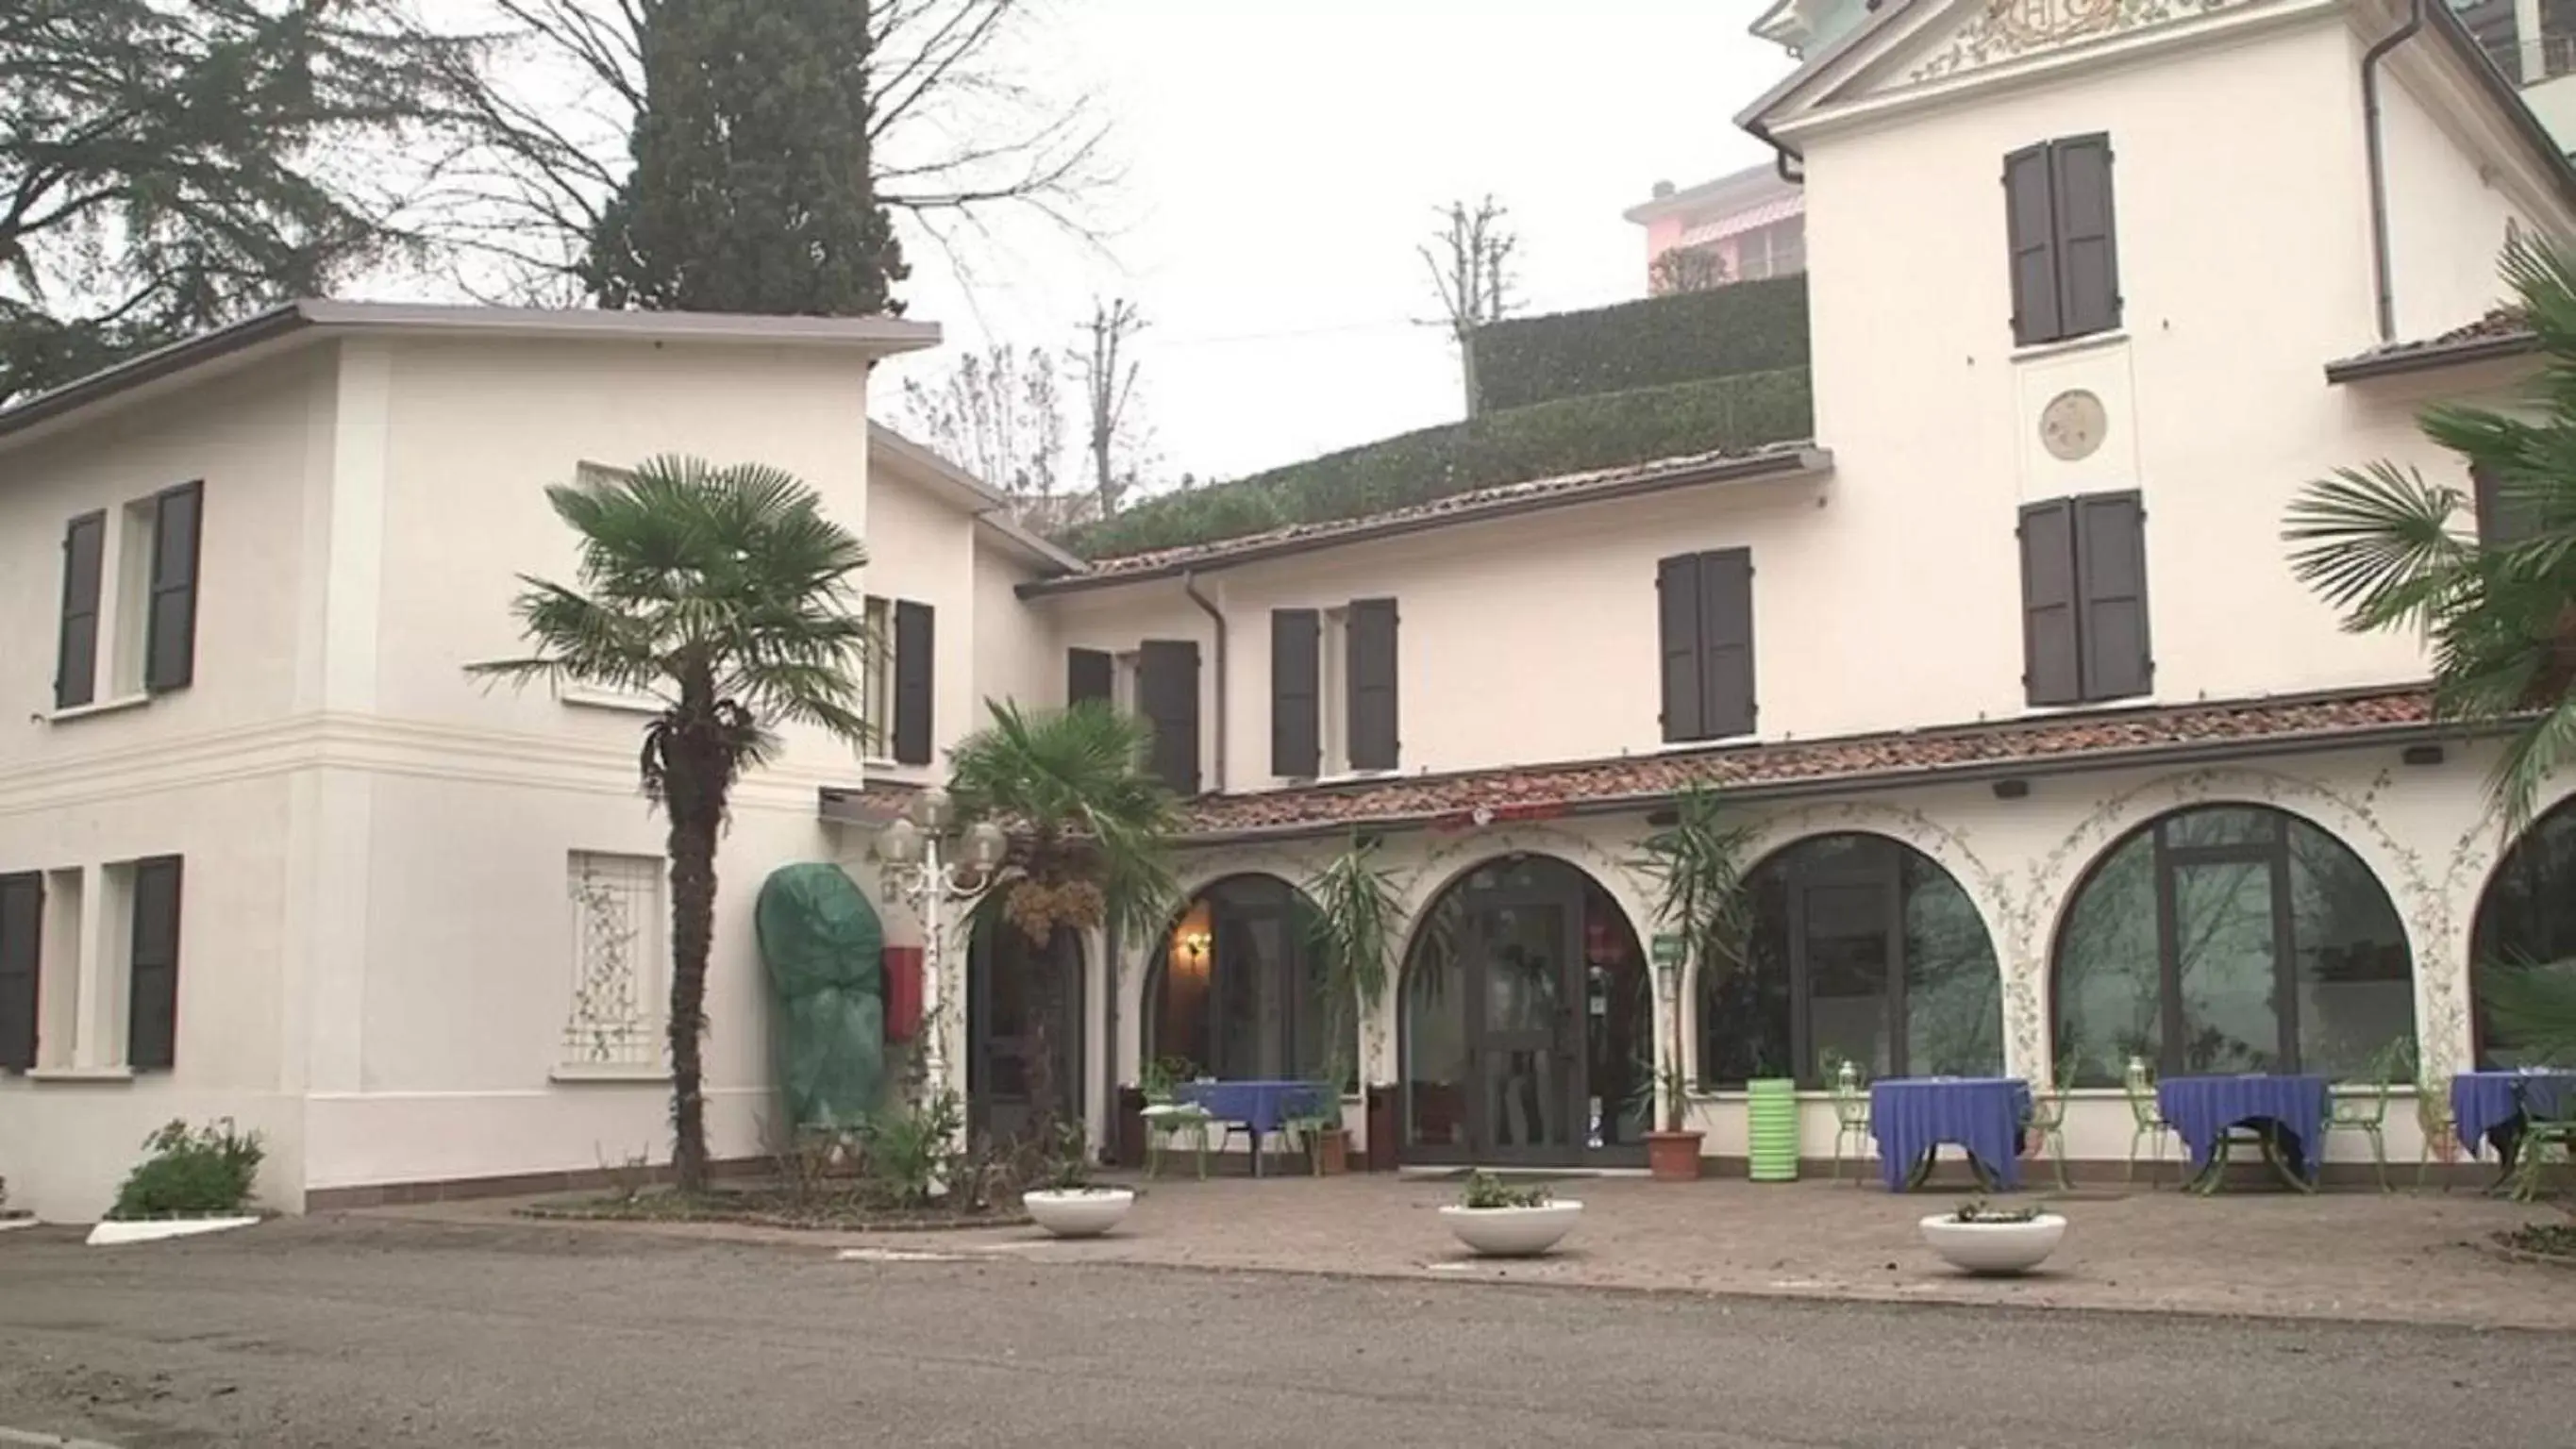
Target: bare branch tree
(1000, 415)
(1109, 384)
(956, 133)
(1684, 269)
(1470, 259)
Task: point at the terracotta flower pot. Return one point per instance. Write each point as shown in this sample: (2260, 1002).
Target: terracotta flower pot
(1673, 1156)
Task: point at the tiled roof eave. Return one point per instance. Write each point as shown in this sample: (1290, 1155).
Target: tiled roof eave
(2231, 731)
(2428, 357)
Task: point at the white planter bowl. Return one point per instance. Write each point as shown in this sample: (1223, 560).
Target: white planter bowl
(1082, 1213)
(1512, 1232)
(153, 1230)
(1994, 1248)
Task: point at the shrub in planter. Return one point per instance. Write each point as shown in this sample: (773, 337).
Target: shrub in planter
(1989, 1240)
(1497, 1220)
(192, 1171)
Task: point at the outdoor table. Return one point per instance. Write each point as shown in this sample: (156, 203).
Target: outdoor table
(1260, 1106)
(2202, 1110)
(2490, 1106)
(1912, 1116)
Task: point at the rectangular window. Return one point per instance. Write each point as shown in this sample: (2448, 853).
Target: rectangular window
(915, 635)
(619, 934)
(1333, 690)
(2500, 520)
(1090, 676)
(142, 631)
(1705, 608)
(2060, 240)
(876, 678)
(2084, 600)
(1167, 695)
(58, 990)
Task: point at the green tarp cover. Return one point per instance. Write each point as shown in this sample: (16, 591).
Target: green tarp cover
(824, 947)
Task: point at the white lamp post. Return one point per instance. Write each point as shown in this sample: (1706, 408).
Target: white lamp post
(913, 847)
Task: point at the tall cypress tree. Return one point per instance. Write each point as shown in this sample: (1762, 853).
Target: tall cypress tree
(752, 190)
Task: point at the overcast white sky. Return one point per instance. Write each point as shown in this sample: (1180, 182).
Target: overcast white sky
(1282, 162)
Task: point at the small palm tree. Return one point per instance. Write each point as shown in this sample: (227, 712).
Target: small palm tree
(1089, 830)
(2394, 552)
(723, 593)
(1697, 866)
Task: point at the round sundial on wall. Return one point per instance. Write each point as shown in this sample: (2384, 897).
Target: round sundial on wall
(2072, 425)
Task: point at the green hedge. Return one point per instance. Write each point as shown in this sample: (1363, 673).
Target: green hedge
(1748, 327)
(1514, 446)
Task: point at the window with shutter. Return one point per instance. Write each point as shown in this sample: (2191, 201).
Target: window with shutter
(170, 641)
(915, 640)
(22, 918)
(2501, 520)
(2084, 600)
(152, 1001)
(1296, 693)
(76, 655)
(1705, 604)
(1090, 675)
(1167, 695)
(2061, 241)
(1374, 742)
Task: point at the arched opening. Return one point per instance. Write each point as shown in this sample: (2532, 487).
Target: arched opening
(1236, 991)
(1024, 1043)
(1528, 1022)
(1859, 948)
(2526, 917)
(2230, 938)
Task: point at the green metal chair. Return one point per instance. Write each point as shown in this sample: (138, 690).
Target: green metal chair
(2531, 1151)
(1315, 1117)
(2433, 1121)
(1168, 1119)
(2048, 1117)
(2363, 1107)
(1851, 1117)
(2149, 1119)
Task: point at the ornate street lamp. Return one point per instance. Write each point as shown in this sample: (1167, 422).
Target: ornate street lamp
(930, 865)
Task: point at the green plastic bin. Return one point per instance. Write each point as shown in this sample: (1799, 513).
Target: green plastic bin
(1771, 1118)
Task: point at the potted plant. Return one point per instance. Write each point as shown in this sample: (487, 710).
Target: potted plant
(194, 1180)
(1352, 930)
(1696, 863)
(1496, 1220)
(1071, 1205)
(1980, 1239)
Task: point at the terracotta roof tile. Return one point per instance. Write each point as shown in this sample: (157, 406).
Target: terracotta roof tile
(1463, 507)
(2499, 331)
(1547, 789)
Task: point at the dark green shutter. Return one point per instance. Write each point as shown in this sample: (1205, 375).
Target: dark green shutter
(153, 1003)
(2111, 567)
(1167, 695)
(76, 652)
(2052, 671)
(1678, 614)
(170, 642)
(915, 645)
(2030, 242)
(2088, 267)
(1296, 693)
(1726, 643)
(1090, 676)
(22, 954)
(1375, 742)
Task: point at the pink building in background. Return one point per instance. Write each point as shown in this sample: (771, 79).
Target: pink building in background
(1741, 227)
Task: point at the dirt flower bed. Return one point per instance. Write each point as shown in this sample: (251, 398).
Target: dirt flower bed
(773, 1207)
(2553, 1241)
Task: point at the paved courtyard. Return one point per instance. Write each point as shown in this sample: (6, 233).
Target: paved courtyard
(368, 1330)
(2396, 1257)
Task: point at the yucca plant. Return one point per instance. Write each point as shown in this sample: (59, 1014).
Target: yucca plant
(1697, 866)
(1352, 930)
(2394, 552)
(724, 594)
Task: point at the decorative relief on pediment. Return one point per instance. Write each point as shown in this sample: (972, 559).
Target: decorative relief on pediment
(2004, 29)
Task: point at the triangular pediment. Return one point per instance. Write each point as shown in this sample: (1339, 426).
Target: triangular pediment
(1930, 44)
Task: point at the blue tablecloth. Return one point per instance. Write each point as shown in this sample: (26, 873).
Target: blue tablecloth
(2485, 1104)
(2201, 1110)
(1911, 1116)
(1261, 1106)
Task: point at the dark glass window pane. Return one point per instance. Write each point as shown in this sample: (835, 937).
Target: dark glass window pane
(1435, 1031)
(2229, 970)
(1849, 1014)
(2356, 991)
(1744, 1007)
(1954, 1009)
(2222, 825)
(2526, 918)
(2110, 1000)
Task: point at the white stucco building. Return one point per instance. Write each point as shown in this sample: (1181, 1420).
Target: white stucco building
(2049, 757)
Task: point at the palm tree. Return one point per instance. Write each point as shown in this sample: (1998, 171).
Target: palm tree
(1089, 828)
(724, 594)
(2394, 552)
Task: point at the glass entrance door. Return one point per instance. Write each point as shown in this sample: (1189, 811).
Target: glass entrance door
(1525, 1038)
